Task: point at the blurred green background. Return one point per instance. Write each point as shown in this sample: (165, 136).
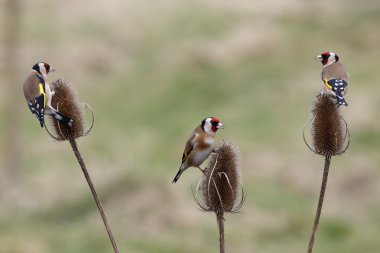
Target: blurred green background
(152, 70)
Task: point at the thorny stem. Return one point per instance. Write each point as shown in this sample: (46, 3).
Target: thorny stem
(94, 194)
(220, 220)
(320, 203)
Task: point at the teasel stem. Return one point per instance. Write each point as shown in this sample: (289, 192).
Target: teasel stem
(220, 220)
(94, 194)
(320, 203)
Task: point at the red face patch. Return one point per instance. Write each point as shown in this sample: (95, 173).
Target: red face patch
(214, 120)
(47, 67)
(325, 57)
(214, 123)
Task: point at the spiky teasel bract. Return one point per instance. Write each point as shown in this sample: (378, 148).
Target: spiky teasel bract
(221, 189)
(65, 100)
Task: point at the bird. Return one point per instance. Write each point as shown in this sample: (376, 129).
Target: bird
(334, 77)
(199, 145)
(38, 94)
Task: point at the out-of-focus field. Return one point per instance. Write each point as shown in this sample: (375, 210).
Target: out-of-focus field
(152, 70)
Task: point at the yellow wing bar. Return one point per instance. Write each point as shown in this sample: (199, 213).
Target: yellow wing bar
(327, 84)
(43, 93)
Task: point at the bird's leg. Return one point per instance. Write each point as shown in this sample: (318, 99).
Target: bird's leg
(321, 93)
(203, 171)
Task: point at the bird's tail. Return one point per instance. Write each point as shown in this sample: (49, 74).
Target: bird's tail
(178, 175)
(338, 86)
(62, 118)
(340, 99)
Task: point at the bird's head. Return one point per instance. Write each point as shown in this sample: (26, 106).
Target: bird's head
(211, 125)
(327, 58)
(43, 68)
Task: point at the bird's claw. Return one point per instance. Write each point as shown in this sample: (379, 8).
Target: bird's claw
(203, 170)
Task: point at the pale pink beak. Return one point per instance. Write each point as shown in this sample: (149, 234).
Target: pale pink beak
(220, 125)
(318, 58)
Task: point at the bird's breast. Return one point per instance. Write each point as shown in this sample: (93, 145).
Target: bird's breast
(201, 155)
(209, 141)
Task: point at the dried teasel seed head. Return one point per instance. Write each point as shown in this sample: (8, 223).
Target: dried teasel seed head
(329, 130)
(66, 102)
(220, 186)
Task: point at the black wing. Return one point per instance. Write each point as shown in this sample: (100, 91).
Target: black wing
(190, 144)
(338, 86)
(37, 107)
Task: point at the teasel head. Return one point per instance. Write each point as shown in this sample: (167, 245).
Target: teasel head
(330, 134)
(65, 101)
(220, 189)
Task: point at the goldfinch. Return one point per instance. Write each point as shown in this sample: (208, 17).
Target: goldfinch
(199, 146)
(334, 76)
(38, 94)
